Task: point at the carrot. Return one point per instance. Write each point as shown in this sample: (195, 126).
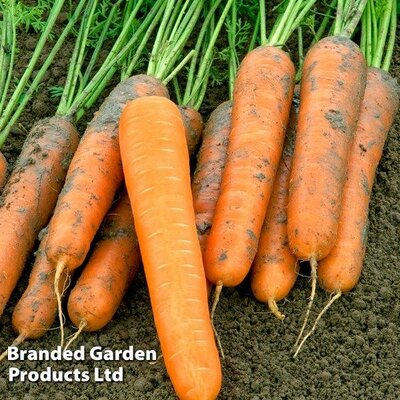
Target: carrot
(30, 195)
(115, 260)
(210, 164)
(261, 103)
(3, 170)
(340, 270)
(158, 183)
(111, 268)
(36, 310)
(275, 268)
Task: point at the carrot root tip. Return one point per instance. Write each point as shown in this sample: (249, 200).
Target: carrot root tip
(312, 330)
(59, 270)
(314, 265)
(273, 307)
(217, 294)
(73, 337)
(16, 342)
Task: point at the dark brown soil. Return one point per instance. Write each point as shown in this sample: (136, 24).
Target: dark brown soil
(354, 353)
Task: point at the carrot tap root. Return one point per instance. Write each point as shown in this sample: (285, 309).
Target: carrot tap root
(314, 265)
(217, 294)
(74, 336)
(312, 330)
(273, 307)
(59, 270)
(21, 338)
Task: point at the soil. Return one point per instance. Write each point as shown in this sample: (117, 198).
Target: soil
(354, 354)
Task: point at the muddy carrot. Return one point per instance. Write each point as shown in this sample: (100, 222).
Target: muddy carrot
(112, 266)
(158, 183)
(262, 99)
(30, 195)
(275, 268)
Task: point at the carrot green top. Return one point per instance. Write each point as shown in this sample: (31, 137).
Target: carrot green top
(348, 14)
(378, 32)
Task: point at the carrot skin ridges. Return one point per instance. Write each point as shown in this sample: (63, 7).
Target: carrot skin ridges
(275, 268)
(210, 165)
(158, 183)
(3, 170)
(261, 106)
(30, 195)
(112, 266)
(36, 310)
(341, 269)
(193, 122)
(94, 176)
(333, 83)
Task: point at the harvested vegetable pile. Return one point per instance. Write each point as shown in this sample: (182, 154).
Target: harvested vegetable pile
(352, 351)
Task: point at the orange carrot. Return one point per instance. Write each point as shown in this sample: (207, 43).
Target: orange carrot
(332, 87)
(36, 311)
(210, 164)
(3, 170)
(275, 268)
(261, 105)
(111, 268)
(156, 167)
(115, 260)
(30, 195)
(341, 269)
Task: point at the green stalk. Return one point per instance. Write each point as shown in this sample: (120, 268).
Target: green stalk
(113, 59)
(158, 41)
(11, 31)
(99, 44)
(253, 40)
(327, 18)
(74, 66)
(339, 18)
(9, 114)
(176, 70)
(301, 53)
(274, 39)
(369, 32)
(132, 64)
(233, 58)
(177, 89)
(392, 38)
(11, 118)
(3, 44)
(382, 35)
(263, 24)
(350, 26)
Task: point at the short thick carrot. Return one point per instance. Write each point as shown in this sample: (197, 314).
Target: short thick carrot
(275, 268)
(3, 170)
(30, 195)
(112, 266)
(157, 174)
(332, 87)
(261, 106)
(210, 165)
(341, 269)
(36, 310)
(93, 177)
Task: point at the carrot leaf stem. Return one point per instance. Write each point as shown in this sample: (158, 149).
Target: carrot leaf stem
(383, 28)
(325, 21)
(392, 38)
(263, 25)
(233, 57)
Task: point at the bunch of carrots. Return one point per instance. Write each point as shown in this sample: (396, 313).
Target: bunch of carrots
(283, 174)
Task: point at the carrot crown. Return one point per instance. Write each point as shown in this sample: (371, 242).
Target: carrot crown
(378, 32)
(23, 92)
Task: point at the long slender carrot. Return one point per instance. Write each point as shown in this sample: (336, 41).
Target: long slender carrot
(275, 268)
(3, 170)
(332, 87)
(261, 103)
(30, 195)
(158, 183)
(116, 256)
